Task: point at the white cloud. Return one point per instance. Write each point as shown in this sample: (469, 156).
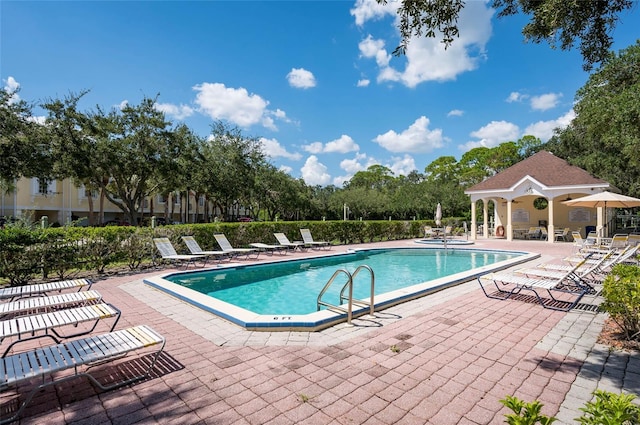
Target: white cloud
(235, 105)
(285, 169)
(455, 113)
(314, 172)
(12, 86)
(272, 148)
(416, 139)
(544, 129)
(515, 96)
(301, 78)
(366, 10)
(178, 112)
(363, 83)
(315, 147)
(493, 134)
(343, 144)
(357, 163)
(122, 104)
(370, 48)
(426, 58)
(403, 165)
(545, 101)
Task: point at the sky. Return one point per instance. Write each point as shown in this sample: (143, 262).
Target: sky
(315, 81)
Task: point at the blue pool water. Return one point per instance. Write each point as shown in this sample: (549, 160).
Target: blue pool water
(292, 287)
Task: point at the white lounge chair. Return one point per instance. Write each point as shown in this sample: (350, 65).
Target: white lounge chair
(283, 240)
(33, 305)
(225, 245)
(564, 292)
(77, 356)
(308, 239)
(195, 249)
(270, 249)
(57, 325)
(17, 292)
(168, 253)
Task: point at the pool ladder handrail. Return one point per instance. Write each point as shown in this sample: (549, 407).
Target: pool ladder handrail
(348, 285)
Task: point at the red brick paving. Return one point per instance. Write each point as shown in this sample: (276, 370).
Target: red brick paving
(454, 362)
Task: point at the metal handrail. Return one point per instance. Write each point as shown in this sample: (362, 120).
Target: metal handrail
(363, 303)
(328, 284)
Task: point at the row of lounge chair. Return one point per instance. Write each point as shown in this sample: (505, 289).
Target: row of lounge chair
(69, 318)
(560, 286)
(227, 252)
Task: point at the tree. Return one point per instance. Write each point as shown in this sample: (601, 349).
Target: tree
(231, 161)
(557, 22)
(24, 148)
(72, 148)
(133, 146)
(604, 137)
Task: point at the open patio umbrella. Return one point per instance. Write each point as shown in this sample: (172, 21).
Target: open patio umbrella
(438, 216)
(604, 200)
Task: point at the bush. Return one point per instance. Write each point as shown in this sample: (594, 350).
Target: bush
(621, 292)
(610, 409)
(525, 413)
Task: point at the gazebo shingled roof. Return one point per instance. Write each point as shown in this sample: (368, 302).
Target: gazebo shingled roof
(542, 166)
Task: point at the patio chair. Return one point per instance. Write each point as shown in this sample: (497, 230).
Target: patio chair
(195, 249)
(283, 240)
(168, 253)
(562, 234)
(633, 239)
(428, 232)
(308, 239)
(225, 245)
(594, 270)
(38, 304)
(270, 249)
(30, 369)
(564, 292)
(533, 233)
(42, 289)
(543, 234)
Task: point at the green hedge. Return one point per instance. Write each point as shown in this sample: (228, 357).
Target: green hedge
(60, 253)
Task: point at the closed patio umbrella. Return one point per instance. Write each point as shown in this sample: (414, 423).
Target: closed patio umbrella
(438, 216)
(604, 200)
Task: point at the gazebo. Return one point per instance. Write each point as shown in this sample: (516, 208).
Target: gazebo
(530, 193)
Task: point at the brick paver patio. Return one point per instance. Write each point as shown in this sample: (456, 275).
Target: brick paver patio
(447, 358)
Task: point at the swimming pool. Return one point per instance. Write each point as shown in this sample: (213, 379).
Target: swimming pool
(282, 295)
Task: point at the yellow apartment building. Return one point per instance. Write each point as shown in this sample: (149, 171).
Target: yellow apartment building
(62, 202)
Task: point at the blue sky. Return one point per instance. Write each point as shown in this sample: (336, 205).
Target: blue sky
(315, 80)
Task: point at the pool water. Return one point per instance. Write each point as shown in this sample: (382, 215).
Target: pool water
(292, 287)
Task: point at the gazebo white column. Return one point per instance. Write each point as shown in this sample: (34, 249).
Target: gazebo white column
(485, 213)
(474, 225)
(551, 228)
(509, 229)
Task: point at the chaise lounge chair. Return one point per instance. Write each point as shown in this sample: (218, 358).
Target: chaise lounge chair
(168, 253)
(283, 240)
(270, 249)
(17, 292)
(308, 240)
(564, 292)
(195, 249)
(31, 368)
(225, 245)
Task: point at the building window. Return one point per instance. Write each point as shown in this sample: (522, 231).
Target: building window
(161, 199)
(43, 186)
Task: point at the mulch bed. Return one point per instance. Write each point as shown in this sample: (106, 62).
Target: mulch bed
(613, 337)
